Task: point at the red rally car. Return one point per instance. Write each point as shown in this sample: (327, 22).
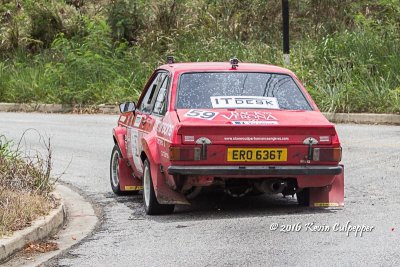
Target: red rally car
(248, 128)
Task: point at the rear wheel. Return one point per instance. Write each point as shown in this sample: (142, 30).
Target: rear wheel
(303, 197)
(151, 205)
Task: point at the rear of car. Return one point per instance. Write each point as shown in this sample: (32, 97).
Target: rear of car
(253, 131)
(245, 128)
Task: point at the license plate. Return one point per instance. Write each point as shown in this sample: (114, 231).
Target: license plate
(257, 154)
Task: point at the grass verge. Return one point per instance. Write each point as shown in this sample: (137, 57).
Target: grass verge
(25, 187)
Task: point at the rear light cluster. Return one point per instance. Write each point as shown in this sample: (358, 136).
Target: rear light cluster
(185, 153)
(327, 154)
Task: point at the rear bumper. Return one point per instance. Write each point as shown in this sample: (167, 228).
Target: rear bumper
(255, 170)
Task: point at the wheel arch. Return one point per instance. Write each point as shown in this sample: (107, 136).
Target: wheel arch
(119, 134)
(164, 194)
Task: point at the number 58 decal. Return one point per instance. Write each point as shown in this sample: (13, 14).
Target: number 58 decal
(201, 114)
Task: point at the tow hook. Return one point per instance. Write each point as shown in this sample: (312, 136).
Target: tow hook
(203, 141)
(310, 141)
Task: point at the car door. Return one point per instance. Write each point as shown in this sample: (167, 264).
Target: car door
(158, 114)
(143, 122)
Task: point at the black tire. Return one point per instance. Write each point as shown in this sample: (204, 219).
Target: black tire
(114, 174)
(303, 197)
(151, 205)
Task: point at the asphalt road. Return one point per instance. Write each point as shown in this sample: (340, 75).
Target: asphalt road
(217, 230)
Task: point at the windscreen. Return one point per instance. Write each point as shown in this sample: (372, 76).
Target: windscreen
(239, 90)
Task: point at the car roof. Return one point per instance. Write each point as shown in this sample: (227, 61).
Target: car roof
(223, 66)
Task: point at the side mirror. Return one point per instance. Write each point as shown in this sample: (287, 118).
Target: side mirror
(127, 107)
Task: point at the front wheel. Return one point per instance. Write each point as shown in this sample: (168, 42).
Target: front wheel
(151, 205)
(114, 170)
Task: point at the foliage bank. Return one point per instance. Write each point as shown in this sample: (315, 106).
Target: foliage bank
(88, 52)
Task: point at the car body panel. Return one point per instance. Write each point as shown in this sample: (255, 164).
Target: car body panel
(128, 182)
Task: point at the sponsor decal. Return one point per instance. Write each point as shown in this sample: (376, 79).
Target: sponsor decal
(188, 138)
(324, 138)
(164, 154)
(132, 188)
(244, 102)
(259, 138)
(256, 138)
(201, 114)
(326, 204)
(134, 140)
(250, 116)
(135, 149)
(160, 142)
(254, 122)
(165, 128)
(138, 119)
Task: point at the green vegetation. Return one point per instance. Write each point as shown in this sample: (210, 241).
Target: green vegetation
(25, 187)
(347, 53)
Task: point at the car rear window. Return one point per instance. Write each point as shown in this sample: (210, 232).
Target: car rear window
(207, 89)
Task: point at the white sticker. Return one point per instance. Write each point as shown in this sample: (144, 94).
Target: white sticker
(201, 114)
(160, 142)
(138, 119)
(188, 138)
(250, 116)
(164, 154)
(256, 138)
(254, 122)
(165, 128)
(324, 139)
(135, 149)
(244, 102)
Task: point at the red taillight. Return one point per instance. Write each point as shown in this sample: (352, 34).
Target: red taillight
(327, 154)
(184, 153)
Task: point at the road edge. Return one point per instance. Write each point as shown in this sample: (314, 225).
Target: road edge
(363, 118)
(40, 229)
(359, 118)
(83, 219)
(58, 108)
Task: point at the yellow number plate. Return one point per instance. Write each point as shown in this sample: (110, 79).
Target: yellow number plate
(257, 154)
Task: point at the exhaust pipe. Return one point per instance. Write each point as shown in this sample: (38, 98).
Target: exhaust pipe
(271, 186)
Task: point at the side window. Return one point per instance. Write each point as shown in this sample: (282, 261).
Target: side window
(160, 106)
(146, 105)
